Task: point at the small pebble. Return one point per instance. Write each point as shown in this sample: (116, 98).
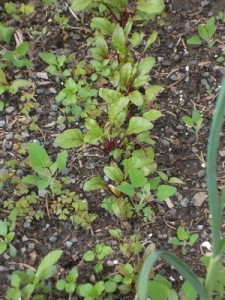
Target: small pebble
(9, 109)
(201, 173)
(2, 123)
(69, 244)
(184, 202)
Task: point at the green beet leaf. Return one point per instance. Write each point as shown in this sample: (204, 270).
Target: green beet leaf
(100, 52)
(118, 40)
(114, 173)
(136, 177)
(145, 65)
(110, 96)
(151, 7)
(104, 25)
(138, 125)
(152, 115)
(95, 183)
(150, 40)
(136, 98)
(116, 108)
(78, 5)
(126, 188)
(194, 40)
(49, 58)
(70, 138)
(125, 75)
(165, 191)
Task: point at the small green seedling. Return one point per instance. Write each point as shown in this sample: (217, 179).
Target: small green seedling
(7, 234)
(221, 58)
(69, 283)
(33, 284)
(184, 239)
(46, 170)
(194, 123)
(205, 33)
(99, 254)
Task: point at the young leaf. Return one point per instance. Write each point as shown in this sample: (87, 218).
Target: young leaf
(104, 25)
(125, 75)
(136, 98)
(70, 138)
(210, 27)
(89, 256)
(126, 188)
(78, 5)
(145, 65)
(22, 49)
(188, 121)
(30, 179)
(137, 125)
(6, 33)
(3, 229)
(116, 108)
(49, 58)
(118, 40)
(152, 7)
(100, 52)
(3, 79)
(110, 96)
(152, 115)
(61, 160)
(150, 40)
(136, 177)
(193, 238)
(95, 183)
(194, 40)
(19, 83)
(114, 173)
(182, 234)
(202, 32)
(3, 247)
(38, 156)
(165, 191)
(48, 261)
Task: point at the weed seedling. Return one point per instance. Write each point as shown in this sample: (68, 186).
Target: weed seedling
(194, 123)
(205, 33)
(184, 239)
(7, 234)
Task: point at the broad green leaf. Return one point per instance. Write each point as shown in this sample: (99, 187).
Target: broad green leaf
(78, 5)
(152, 115)
(3, 228)
(19, 83)
(165, 191)
(100, 52)
(196, 116)
(27, 9)
(202, 32)
(152, 7)
(48, 261)
(136, 38)
(136, 177)
(38, 156)
(22, 49)
(95, 183)
(49, 57)
(114, 173)
(189, 293)
(178, 264)
(61, 160)
(110, 96)
(116, 108)
(104, 25)
(30, 179)
(159, 291)
(150, 40)
(94, 133)
(2, 105)
(137, 125)
(126, 188)
(70, 138)
(3, 247)
(136, 98)
(125, 75)
(3, 79)
(6, 33)
(175, 180)
(194, 40)
(118, 40)
(188, 121)
(152, 92)
(182, 234)
(12, 250)
(129, 163)
(145, 65)
(210, 27)
(89, 255)
(193, 238)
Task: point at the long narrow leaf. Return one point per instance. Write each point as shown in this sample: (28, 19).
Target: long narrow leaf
(180, 266)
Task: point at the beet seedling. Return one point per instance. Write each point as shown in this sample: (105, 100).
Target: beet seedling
(194, 123)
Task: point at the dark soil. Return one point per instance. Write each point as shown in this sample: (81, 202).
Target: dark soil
(183, 71)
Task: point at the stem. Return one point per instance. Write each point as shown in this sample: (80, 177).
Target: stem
(214, 201)
(110, 10)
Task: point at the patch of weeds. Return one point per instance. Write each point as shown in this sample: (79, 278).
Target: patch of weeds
(17, 57)
(69, 206)
(183, 239)
(194, 123)
(205, 33)
(46, 171)
(19, 11)
(69, 283)
(31, 283)
(7, 234)
(98, 255)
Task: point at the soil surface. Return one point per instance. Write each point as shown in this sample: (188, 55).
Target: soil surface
(191, 76)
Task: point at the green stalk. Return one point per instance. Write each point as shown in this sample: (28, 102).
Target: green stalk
(214, 201)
